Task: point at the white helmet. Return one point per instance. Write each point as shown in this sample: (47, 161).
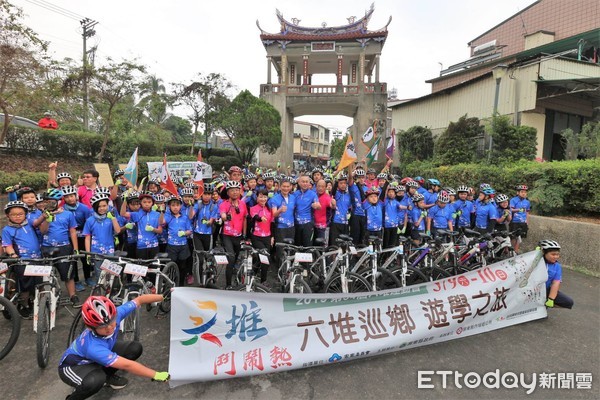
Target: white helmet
(547, 244)
(233, 185)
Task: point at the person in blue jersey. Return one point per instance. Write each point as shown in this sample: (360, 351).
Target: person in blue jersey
(94, 358)
(520, 208)
(160, 207)
(179, 228)
(100, 229)
(419, 217)
(358, 218)
(20, 240)
(374, 211)
(61, 235)
(218, 223)
(306, 201)
(421, 188)
(132, 200)
(406, 206)
(204, 214)
(485, 213)
(433, 189)
(81, 213)
(462, 209)
(341, 204)
(554, 298)
(283, 207)
(503, 213)
(146, 220)
(393, 212)
(440, 215)
(27, 195)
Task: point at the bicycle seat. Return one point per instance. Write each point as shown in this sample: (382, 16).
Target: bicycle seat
(51, 251)
(319, 241)
(344, 238)
(402, 239)
(471, 232)
(246, 247)
(375, 239)
(218, 250)
(288, 241)
(162, 255)
(120, 253)
(424, 235)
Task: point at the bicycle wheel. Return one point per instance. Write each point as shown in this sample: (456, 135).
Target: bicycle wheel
(196, 268)
(256, 287)
(43, 331)
(297, 285)
(413, 276)
(76, 329)
(130, 329)
(10, 326)
(435, 273)
(384, 279)
(458, 270)
(355, 284)
(171, 269)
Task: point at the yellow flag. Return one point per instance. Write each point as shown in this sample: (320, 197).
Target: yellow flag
(349, 155)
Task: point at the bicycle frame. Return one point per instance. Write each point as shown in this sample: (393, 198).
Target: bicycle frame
(50, 285)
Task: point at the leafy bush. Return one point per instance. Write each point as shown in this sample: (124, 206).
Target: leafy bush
(458, 143)
(560, 187)
(415, 144)
(36, 180)
(585, 144)
(512, 143)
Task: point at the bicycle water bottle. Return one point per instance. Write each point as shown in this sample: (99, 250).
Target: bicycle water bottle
(150, 287)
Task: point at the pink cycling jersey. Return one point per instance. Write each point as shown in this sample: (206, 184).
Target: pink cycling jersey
(235, 226)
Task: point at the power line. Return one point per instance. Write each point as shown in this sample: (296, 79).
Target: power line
(56, 9)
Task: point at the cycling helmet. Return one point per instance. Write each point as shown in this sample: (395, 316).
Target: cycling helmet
(463, 188)
(359, 172)
(268, 175)
(233, 185)
(450, 191)
(39, 197)
(400, 188)
(419, 179)
(404, 181)
(522, 187)
(153, 182)
(24, 190)
(433, 181)
(67, 190)
(443, 197)
(484, 186)
(170, 199)
(209, 187)
(292, 180)
(327, 179)
(418, 197)
(371, 171)
(98, 197)
(488, 191)
(382, 175)
(102, 190)
(250, 176)
(234, 168)
(187, 192)
(53, 194)
(118, 173)
(317, 169)
(342, 177)
(63, 175)
(131, 196)
(159, 198)
(547, 244)
(14, 204)
(372, 190)
(501, 197)
(412, 183)
(191, 185)
(147, 195)
(98, 311)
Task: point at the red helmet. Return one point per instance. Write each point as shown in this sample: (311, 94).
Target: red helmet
(98, 311)
(404, 181)
(234, 168)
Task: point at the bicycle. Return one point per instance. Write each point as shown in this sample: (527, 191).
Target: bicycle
(345, 281)
(10, 325)
(292, 272)
(405, 274)
(210, 275)
(246, 276)
(380, 278)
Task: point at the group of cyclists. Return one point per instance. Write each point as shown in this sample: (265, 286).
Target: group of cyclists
(237, 206)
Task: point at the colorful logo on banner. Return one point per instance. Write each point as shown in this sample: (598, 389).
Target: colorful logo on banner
(200, 327)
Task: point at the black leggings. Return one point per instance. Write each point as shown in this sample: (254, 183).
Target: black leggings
(262, 242)
(88, 379)
(232, 245)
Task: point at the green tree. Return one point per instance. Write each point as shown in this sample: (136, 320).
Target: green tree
(110, 85)
(251, 123)
(337, 148)
(585, 144)
(154, 100)
(510, 142)
(180, 128)
(21, 69)
(205, 97)
(415, 144)
(458, 143)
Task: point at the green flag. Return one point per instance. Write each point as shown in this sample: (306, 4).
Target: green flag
(374, 152)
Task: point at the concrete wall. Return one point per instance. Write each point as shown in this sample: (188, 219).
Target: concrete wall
(578, 240)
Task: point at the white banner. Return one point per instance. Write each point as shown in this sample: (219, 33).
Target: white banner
(178, 169)
(223, 334)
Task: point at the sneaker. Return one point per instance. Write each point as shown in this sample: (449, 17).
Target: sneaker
(79, 287)
(91, 282)
(75, 301)
(189, 280)
(116, 382)
(25, 312)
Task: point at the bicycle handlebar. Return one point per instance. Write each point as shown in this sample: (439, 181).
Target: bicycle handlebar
(51, 260)
(125, 259)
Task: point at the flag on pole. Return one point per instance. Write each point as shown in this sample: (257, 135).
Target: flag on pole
(131, 170)
(349, 155)
(391, 145)
(368, 136)
(198, 173)
(200, 155)
(373, 154)
(166, 181)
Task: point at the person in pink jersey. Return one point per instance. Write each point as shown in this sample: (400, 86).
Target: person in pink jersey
(261, 235)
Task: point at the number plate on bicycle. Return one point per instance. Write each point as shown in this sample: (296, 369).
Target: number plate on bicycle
(134, 269)
(352, 250)
(303, 257)
(3, 268)
(221, 260)
(38, 270)
(263, 259)
(111, 267)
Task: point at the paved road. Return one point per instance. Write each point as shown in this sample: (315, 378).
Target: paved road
(568, 341)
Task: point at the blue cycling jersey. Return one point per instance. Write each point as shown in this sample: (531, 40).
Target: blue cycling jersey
(174, 225)
(519, 203)
(58, 230)
(23, 240)
(440, 216)
(343, 206)
(554, 273)
(204, 212)
(374, 215)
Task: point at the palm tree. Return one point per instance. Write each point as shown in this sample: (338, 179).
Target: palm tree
(154, 99)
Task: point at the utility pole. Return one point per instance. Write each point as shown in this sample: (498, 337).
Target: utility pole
(88, 31)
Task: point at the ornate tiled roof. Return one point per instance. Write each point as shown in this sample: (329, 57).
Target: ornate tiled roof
(355, 29)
